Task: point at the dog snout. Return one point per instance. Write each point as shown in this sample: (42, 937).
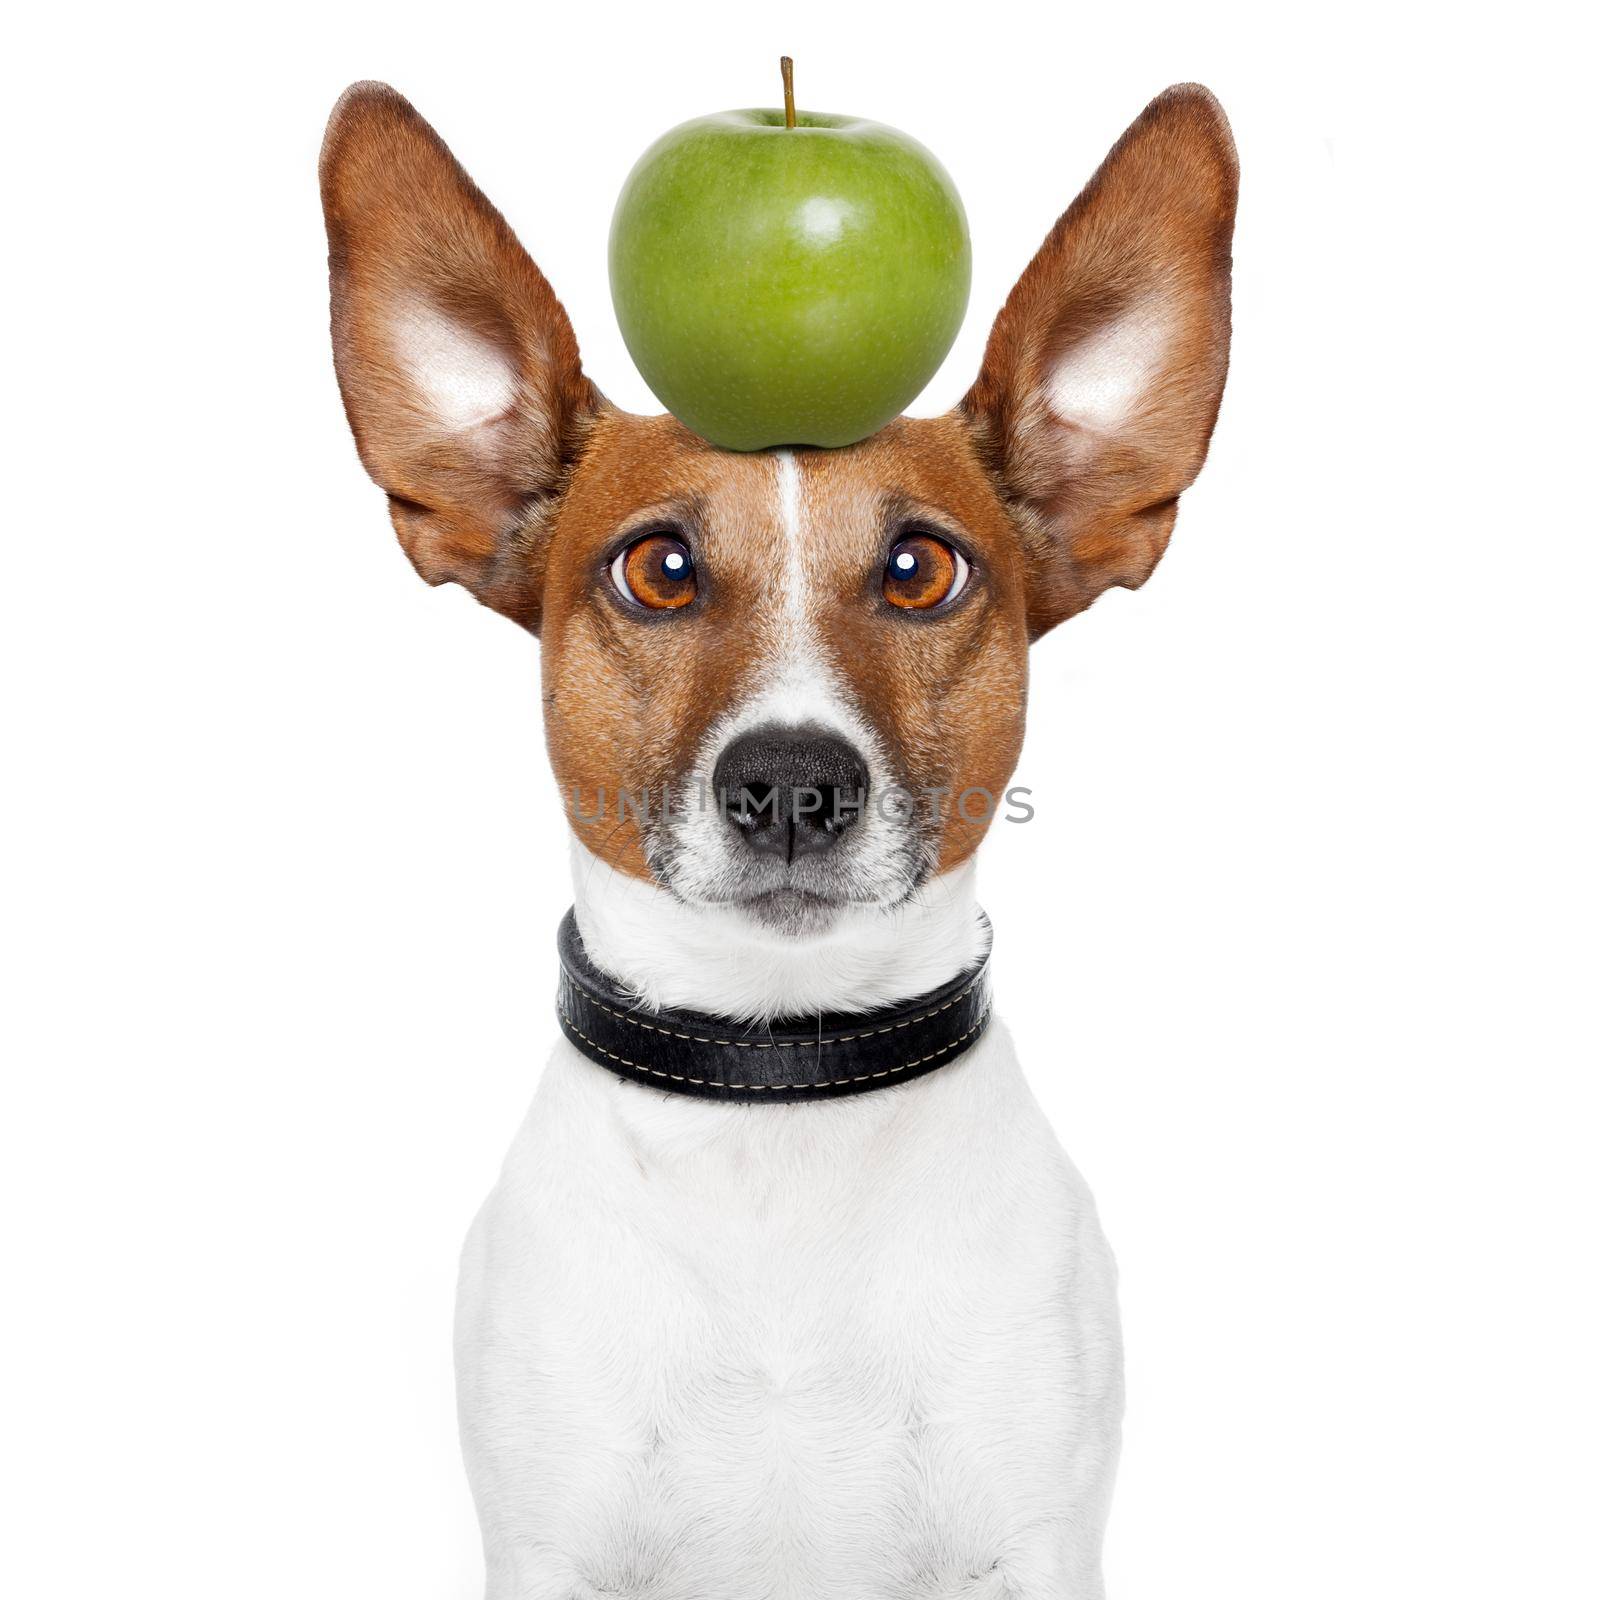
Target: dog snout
(790, 792)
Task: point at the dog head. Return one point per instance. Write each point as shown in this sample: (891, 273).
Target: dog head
(790, 681)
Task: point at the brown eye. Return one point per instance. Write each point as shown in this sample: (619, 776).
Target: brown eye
(923, 572)
(656, 571)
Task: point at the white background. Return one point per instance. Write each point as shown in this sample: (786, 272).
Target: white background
(1312, 880)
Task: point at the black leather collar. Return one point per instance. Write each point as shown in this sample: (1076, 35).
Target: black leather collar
(809, 1058)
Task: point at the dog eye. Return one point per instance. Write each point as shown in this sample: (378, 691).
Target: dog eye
(656, 571)
(923, 572)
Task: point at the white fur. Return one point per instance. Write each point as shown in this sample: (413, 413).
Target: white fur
(1100, 382)
(464, 380)
(862, 1349)
(713, 958)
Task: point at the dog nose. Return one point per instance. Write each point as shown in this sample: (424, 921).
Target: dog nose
(790, 791)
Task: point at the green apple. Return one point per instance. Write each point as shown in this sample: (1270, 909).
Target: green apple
(788, 285)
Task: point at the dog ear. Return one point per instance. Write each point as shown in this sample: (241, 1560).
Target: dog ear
(458, 367)
(1104, 371)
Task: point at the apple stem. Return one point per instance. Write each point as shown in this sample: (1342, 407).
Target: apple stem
(786, 67)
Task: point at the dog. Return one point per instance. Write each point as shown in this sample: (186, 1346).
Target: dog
(787, 1289)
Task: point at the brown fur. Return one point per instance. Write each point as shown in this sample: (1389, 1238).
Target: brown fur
(528, 510)
(406, 223)
(1158, 215)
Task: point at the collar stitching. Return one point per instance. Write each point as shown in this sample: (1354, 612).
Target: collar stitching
(764, 1088)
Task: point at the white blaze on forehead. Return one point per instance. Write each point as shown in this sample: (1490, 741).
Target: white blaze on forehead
(463, 378)
(795, 585)
(1099, 382)
(795, 684)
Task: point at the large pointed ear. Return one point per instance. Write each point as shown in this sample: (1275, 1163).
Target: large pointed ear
(1104, 371)
(458, 367)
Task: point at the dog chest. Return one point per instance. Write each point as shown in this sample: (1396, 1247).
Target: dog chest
(711, 1350)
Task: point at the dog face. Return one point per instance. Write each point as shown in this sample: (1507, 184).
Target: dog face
(782, 657)
(788, 681)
